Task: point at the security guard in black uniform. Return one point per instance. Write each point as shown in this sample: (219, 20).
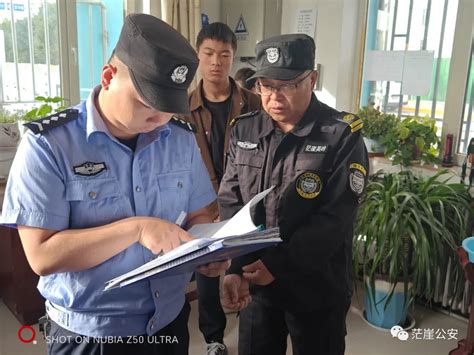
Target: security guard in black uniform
(317, 161)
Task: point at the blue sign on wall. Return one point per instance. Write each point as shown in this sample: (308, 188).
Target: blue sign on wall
(204, 20)
(16, 7)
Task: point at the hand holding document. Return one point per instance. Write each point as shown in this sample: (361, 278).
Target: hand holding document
(214, 242)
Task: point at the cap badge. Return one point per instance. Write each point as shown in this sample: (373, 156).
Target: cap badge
(272, 54)
(179, 74)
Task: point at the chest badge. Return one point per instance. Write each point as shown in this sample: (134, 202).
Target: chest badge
(247, 145)
(89, 169)
(308, 185)
(316, 148)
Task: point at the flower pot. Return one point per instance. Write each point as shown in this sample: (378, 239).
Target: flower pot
(22, 127)
(6, 159)
(382, 315)
(373, 146)
(9, 137)
(9, 134)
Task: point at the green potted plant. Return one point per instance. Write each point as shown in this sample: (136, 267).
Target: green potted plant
(406, 229)
(414, 139)
(48, 105)
(377, 125)
(9, 128)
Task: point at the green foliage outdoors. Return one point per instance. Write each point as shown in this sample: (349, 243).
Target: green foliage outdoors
(39, 43)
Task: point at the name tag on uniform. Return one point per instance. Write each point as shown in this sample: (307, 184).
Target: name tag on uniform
(316, 148)
(247, 145)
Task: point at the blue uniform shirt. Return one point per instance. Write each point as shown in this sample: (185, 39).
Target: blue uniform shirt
(164, 176)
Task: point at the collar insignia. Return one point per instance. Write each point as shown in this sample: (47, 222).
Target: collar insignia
(55, 120)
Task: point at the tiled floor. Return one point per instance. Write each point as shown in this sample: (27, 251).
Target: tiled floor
(362, 339)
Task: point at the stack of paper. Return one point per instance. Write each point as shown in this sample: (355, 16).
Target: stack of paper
(214, 242)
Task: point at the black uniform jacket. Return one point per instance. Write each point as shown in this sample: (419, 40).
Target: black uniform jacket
(320, 170)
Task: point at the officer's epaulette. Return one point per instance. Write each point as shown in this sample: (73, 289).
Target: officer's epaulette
(57, 119)
(354, 122)
(183, 124)
(248, 114)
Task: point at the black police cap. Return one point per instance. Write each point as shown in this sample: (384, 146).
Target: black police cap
(284, 57)
(160, 60)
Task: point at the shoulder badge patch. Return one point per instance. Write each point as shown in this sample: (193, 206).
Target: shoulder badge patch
(356, 126)
(247, 145)
(248, 114)
(183, 124)
(354, 122)
(349, 118)
(55, 120)
(89, 168)
(357, 178)
(308, 185)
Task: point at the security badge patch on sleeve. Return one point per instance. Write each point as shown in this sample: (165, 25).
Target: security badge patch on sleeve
(357, 178)
(309, 185)
(89, 169)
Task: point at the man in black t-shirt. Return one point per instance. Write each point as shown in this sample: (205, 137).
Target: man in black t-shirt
(213, 104)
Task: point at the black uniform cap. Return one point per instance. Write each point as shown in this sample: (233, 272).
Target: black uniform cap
(284, 57)
(160, 60)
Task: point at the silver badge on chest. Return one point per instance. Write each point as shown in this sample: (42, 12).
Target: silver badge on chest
(89, 168)
(247, 145)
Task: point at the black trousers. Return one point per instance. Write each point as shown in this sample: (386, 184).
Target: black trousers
(263, 330)
(171, 340)
(212, 320)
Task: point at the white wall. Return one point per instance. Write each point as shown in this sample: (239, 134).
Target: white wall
(339, 31)
(212, 8)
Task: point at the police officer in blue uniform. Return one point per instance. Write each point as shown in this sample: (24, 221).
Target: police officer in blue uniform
(95, 190)
(315, 158)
